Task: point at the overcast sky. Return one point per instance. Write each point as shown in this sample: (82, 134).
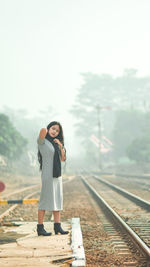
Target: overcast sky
(46, 44)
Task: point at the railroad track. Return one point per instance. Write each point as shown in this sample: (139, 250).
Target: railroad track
(122, 243)
(136, 185)
(139, 201)
(5, 210)
(139, 186)
(135, 229)
(146, 177)
(6, 195)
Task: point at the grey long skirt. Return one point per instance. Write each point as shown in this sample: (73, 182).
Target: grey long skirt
(51, 197)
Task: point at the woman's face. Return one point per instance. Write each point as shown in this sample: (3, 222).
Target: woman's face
(54, 130)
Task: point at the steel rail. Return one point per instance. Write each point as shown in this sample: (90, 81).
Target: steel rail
(141, 202)
(117, 218)
(123, 175)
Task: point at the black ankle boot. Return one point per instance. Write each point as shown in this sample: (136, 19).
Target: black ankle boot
(41, 230)
(58, 229)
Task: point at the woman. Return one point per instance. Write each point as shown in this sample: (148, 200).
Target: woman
(51, 152)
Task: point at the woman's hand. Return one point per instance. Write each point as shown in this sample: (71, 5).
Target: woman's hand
(43, 133)
(58, 142)
(63, 154)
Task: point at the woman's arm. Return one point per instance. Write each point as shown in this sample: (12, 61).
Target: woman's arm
(63, 153)
(42, 135)
(62, 149)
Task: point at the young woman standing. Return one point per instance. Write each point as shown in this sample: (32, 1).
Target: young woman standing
(51, 152)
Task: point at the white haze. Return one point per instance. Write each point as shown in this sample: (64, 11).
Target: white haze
(45, 45)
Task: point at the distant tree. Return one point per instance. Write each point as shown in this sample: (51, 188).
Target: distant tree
(12, 144)
(128, 126)
(132, 91)
(128, 95)
(121, 93)
(96, 90)
(28, 125)
(139, 149)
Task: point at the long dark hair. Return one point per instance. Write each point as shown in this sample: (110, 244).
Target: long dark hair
(60, 136)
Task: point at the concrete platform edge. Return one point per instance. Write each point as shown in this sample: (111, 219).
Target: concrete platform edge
(77, 244)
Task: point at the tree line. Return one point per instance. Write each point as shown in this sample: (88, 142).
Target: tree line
(127, 120)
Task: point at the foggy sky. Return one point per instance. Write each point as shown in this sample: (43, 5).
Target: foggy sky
(45, 45)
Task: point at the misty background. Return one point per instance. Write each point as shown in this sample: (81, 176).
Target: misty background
(85, 63)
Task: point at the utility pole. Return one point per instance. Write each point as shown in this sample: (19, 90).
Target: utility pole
(98, 108)
(99, 135)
